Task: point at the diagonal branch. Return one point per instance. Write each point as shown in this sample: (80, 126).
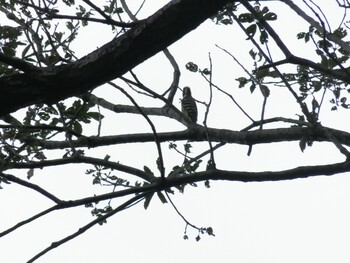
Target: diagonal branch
(35, 187)
(316, 25)
(83, 229)
(155, 134)
(111, 61)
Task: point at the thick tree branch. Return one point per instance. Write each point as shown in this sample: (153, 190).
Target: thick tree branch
(112, 60)
(198, 133)
(17, 63)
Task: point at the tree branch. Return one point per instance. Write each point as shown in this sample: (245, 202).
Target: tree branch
(198, 134)
(315, 24)
(81, 230)
(112, 60)
(290, 174)
(34, 187)
(84, 159)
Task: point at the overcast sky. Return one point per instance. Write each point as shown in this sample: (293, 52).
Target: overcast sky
(304, 220)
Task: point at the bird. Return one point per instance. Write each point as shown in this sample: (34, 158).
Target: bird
(188, 105)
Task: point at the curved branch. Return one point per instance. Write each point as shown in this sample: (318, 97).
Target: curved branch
(169, 110)
(176, 75)
(117, 108)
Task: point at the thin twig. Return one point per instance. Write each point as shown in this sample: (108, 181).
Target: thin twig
(84, 159)
(211, 163)
(284, 49)
(92, 19)
(35, 187)
(156, 139)
(27, 221)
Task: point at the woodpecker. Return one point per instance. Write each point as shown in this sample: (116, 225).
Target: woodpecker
(188, 105)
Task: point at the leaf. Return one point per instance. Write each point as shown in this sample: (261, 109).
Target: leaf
(40, 156)
(77, 127)
(317, 85)
(162, 198)
(25, 50)
(148, 171)
(340, 32)
(148, 199)
(261, 73)
(206, 71)
(191, 67)
(96, 180)
(252, 88)
(95, 115)
(187, 147)
(251, 30)
(302, 143)
(210, 231)
(315, 105)
(264, 37)
(30, 173)
(270, 16)
(177, 170)
(265, 91)
(246, 18)
(301, 35)
(242, 81)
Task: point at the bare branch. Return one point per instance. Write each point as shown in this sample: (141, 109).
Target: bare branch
(27, 221)
(156, 139)
(29, 185)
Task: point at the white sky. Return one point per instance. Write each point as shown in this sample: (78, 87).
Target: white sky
(293, 221)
